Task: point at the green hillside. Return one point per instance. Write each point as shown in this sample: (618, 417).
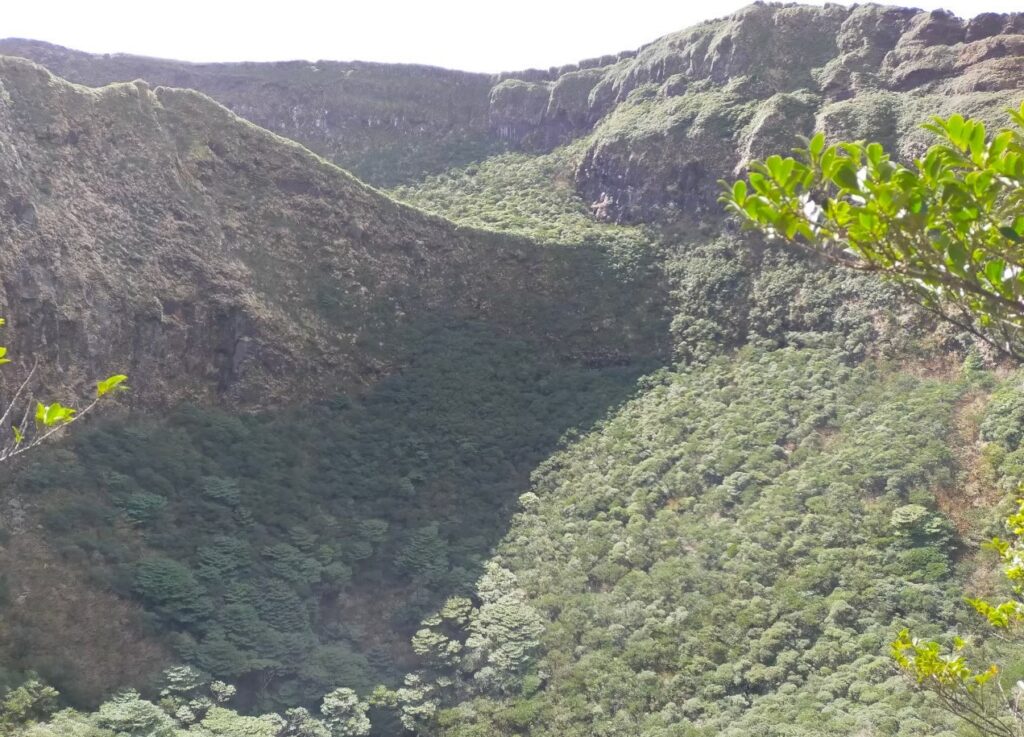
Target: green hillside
(727, 555)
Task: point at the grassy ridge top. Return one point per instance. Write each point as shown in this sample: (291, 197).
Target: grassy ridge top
(384, 122)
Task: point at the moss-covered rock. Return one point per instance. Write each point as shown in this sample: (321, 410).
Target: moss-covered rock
(517, 108)
(570, 98)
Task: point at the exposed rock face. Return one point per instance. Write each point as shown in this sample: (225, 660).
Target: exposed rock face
(716, 96)
(391, 124)
(517, 108)
(384, 122)
(569, 103)
(865, 37)
(153, 231)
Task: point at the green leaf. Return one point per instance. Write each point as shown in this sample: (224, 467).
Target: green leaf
(786, 173)
(994, 270)
(999, 144)
(109, 384)
(739, 192)
(875, 153)
(18, 435)
(759, 183)
(52, 414)
(3, 356)
(977, 139)
(955, 131)
(956, 254)
(816, 145)
(845, 176)
(916, 204)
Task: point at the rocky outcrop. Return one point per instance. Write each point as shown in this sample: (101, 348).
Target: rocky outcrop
(984, 54)
(865, 37)
(151, 230)
(696, 106)
(569, 102)
(664, 125)
(540, 115)
(518, 108)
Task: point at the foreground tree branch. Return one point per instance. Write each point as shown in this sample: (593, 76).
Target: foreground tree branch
(40, 422)
(949, 228)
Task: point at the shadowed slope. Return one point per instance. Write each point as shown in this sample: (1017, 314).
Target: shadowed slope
(156, 232)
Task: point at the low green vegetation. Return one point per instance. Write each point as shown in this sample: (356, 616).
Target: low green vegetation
(732, 552)
(187, 704)
(533, 196)
(207, 519)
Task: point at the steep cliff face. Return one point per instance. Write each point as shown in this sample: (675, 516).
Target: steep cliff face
(153, 231)
(386, 123)
(713, 96)
(709, 97)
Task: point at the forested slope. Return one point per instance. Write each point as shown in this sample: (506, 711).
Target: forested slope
(151, 231)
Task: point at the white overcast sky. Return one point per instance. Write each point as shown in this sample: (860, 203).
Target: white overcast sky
(475, 35)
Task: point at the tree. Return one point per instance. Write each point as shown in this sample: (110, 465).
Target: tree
(504, 633)
(39, 421)
(172, 590)
(130, 715)
(470, 651)
(425, 554)
(31, 702)
(949, 228)
(188, 695)
(345, 714)
(303, 724)
(223, 722)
